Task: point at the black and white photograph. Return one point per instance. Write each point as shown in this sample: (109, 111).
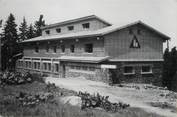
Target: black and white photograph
(88, 58)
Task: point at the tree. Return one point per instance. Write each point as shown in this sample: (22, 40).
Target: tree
(31, 32)
(0, 23)
(9, 41)
(0, 27)
(23, 30)
(38, 25)
(170, 68)
(166, 67)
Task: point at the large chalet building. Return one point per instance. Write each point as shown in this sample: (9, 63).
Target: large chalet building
(93, 48)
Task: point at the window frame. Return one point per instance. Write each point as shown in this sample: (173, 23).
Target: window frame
(72, 48)
(63, 48)
(86, 25)
(129, 73)
(54, 49)
(150, 70)
(36, 49)
(47, 32)
(86, 48)
(56, 67)
(47, 48)
(70, 28)
(58, 30)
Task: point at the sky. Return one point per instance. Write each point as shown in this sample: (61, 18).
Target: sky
(160, 14)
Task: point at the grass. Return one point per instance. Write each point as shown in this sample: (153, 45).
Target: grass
(9, 105)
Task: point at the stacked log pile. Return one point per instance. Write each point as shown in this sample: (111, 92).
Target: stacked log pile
(94, 101)
(15, 78)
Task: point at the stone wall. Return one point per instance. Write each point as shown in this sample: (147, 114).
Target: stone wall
(110, 76)
(153, 78)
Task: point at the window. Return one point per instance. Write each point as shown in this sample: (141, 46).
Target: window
(30, 65)
(26, 64)
(62, 48)
(92, 68)
(47, 32)
(35, 65)
(54, 49)
(84, 67)
(72, 48)
(78, 67)
(135, 43)
(47, 48)
(86, 25)
(89, 48)
(58, 30)
(45, 66)
(128, 70)
(49, 66)
(70, 28)
(36, 49)
(56, 67)
(72, 67)
(146, 69)
(38, 65)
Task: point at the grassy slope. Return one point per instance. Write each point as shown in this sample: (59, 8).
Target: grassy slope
(9, 105)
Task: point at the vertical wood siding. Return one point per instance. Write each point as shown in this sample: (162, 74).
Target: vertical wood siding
(94, 25)
(98, 49)
(117, 44)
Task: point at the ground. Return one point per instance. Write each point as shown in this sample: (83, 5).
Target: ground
(146, 97)
(144, 101)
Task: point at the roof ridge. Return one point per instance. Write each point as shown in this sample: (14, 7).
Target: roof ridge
(75, 20)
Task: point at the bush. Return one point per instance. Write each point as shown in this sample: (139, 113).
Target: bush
(93, 101)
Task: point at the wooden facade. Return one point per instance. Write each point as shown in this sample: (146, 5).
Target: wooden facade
(134, 50)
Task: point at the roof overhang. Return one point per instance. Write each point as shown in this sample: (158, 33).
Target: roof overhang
(99, 32)
(76, 20)
(135, 60)
(85, 59)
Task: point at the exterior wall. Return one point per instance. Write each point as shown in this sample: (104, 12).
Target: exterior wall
(117, 44)
(154, 77)
(97, 75)
(94, 25)
(98, 48)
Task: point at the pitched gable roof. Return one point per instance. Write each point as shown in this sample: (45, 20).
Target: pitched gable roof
(99, 32)
(76, 20)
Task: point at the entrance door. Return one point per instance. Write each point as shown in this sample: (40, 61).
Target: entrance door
(64, 71)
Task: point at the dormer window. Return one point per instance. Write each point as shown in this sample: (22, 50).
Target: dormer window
(86, 25)
(58, 30)
(47, 32)
(70, 28)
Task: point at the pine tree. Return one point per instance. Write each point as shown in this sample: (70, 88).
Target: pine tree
(0, 23)
(38, 25)
(9, 40)
(10, 31)
(166, 68)
(170, 68)
(23, 30)
(31, 32)
(0, 27)
(173, 69)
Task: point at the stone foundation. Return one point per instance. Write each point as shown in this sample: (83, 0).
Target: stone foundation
(111, 76)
